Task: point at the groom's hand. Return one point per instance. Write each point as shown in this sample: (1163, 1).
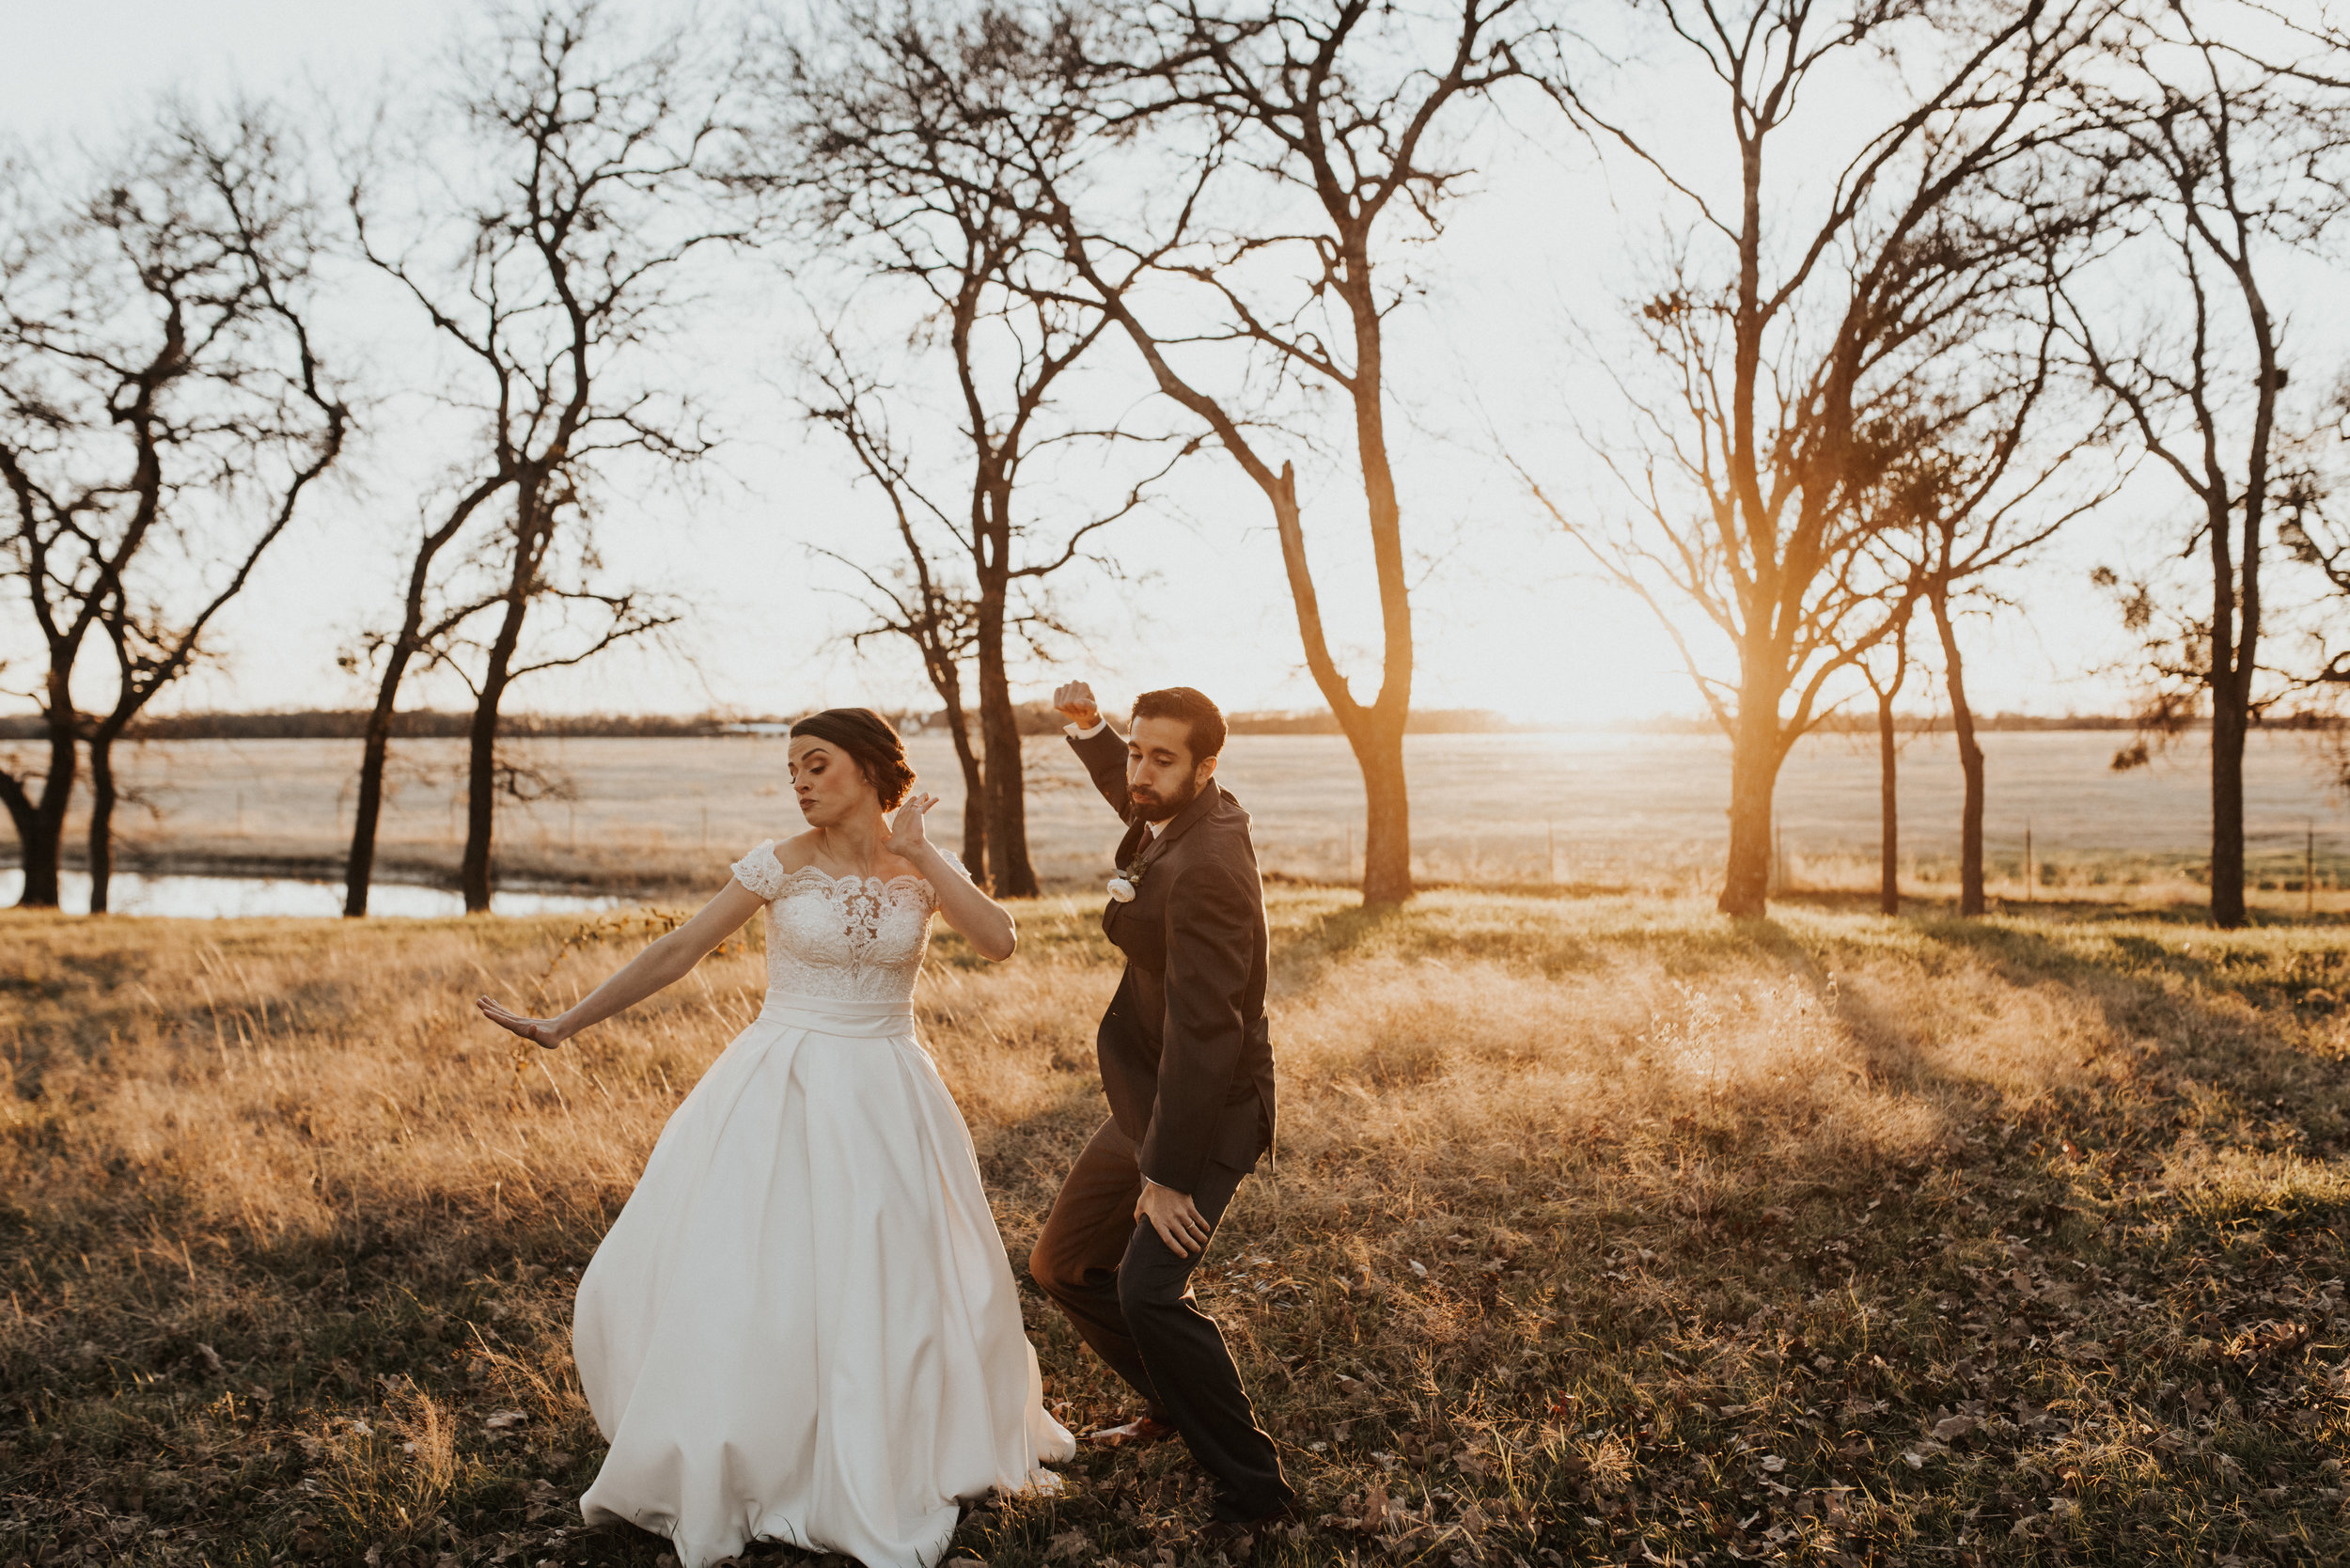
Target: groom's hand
(1175, 1217)
(1075, 703)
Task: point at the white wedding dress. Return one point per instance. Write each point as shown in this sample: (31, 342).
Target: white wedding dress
(803, 1328)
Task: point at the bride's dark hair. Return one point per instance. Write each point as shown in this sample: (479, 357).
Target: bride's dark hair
(871, 744)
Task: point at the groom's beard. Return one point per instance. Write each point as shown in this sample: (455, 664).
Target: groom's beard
(1155, 807)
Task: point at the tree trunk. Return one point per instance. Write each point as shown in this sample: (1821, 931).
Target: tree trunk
(1388, 817)
(2229, 724)
(1387, 823)
(375, 745)
(102, 818)
(1753, 778)
(40, 822)
(374, 749)
(2230, 698)
(946, 680)
(999, 735)
(1888, 807)
(974, 795)
(481, 739)
(1374, 731)
(1970, 898)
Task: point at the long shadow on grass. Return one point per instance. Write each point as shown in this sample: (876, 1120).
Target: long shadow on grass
(2197, 1015)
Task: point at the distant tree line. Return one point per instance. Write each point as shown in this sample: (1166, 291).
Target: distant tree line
(351, 724)
(1043, 254)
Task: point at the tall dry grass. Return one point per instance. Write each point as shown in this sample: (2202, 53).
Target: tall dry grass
(1599, 1231)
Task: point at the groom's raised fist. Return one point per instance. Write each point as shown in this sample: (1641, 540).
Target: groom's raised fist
(1075, 704)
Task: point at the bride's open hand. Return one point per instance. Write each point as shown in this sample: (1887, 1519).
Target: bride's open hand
(539, 1031)
(905, 828)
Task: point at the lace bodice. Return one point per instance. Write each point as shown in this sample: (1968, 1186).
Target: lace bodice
(851, 938)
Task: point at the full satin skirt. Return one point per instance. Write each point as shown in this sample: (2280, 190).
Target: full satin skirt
(803, 1328)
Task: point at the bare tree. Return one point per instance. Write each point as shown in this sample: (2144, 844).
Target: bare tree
(2231, 159)
(1333, 116)
(545, 208)
(162, 417)
(1972, 495)
(921, 603)
(1886, 669)
(907, 129)
(425, 625)
(1780, 336)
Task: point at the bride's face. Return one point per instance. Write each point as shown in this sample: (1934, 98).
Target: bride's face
(832, 788)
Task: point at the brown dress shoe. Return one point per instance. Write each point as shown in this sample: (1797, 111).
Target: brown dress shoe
(1140, 1432)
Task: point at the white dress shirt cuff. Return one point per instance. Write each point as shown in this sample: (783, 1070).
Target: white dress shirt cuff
(1085, 734)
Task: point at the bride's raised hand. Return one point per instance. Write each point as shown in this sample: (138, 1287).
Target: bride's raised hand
(539, 1031)
(906, 829)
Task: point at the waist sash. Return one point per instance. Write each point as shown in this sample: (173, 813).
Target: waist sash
(836, 1016)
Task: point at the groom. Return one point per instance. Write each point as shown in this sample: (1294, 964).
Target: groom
(1187, 1064)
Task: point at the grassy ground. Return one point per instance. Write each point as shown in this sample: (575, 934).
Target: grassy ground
(1604, 1230)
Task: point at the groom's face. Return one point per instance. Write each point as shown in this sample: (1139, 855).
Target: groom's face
(1161, 777)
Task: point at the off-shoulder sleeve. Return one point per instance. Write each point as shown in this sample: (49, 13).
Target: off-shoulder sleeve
(760, 871)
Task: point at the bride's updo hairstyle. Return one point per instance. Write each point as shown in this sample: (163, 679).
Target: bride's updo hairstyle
(871, 744)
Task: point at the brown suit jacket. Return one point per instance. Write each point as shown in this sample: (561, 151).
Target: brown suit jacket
(1186, 1058)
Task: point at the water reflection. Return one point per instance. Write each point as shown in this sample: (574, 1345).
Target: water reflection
(215, 896)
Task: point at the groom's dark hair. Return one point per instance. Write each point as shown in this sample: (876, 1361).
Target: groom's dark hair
(1193, 707)
(871, 744)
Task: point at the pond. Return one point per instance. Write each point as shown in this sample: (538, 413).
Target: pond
(205, 897)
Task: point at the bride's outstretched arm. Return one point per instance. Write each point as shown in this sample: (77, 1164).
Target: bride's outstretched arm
(665, 962)
(983, 922)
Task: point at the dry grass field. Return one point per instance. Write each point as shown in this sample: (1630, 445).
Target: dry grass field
(1604, 1230)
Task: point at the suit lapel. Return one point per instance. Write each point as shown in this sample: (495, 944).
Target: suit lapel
(1131, 845)
(1128, 847)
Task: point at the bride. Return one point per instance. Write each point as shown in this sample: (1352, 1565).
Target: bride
(803, 1328)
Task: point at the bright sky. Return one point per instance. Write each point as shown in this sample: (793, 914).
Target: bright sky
(1507, 616)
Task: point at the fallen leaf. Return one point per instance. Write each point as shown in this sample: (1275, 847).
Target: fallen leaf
(1773, 1463)
(1954, 1428)
(498, 1420)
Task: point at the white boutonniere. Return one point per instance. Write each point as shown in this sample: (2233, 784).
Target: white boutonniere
(1126, 882)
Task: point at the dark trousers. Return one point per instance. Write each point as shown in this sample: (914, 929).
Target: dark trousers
(1130, 1297)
